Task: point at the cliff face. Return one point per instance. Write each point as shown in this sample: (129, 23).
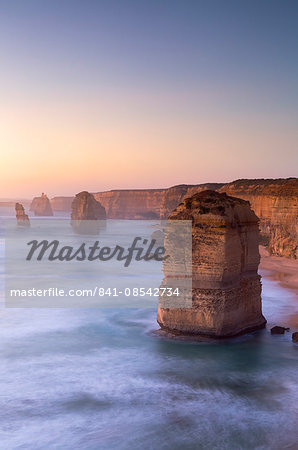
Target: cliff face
(226, 288)
(147, 203)
(41, 206)
(134, 204)
(176, 194)
(62, 203)
(275, 202)
(22, 218)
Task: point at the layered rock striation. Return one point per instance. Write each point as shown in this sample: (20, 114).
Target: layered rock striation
(275, 202)
(226, 287)
(147, 203)
(22, 218)
(86, 214)
(41, 206)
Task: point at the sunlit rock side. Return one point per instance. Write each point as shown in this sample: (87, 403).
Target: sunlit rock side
(176, 194)
(275, 202)
(86, 214)
(147, 203)
(131, 204)
(226, 287)
(41, 206)
(22, 218)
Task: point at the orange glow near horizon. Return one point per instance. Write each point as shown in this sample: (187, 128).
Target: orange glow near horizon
(61, 149)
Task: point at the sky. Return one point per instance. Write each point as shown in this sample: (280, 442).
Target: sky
(105, 94)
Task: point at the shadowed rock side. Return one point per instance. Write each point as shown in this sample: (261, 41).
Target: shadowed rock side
(41, 206)
(275, 202)
(226, 287)
(22, 218)
(86, 212)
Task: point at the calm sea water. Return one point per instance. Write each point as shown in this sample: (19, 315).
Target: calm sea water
(97, 379)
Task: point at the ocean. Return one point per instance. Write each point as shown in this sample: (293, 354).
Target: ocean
(97, 378)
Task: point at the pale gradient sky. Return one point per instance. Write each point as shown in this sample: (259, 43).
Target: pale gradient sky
(106, 94)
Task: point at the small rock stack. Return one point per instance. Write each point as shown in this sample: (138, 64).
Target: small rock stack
(22, 218)
(226, 287)
(41, 206)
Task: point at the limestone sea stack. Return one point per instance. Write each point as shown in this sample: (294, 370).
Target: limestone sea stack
(22, 218)
(226, 287)
(41, 206)
(86, 214)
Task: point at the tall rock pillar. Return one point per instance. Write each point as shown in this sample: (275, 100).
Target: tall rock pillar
(226, 287)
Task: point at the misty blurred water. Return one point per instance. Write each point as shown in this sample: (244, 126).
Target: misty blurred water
(97, 379)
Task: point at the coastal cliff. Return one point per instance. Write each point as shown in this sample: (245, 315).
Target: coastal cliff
(61, 203)
(147, 203)
(176, 194)
(275, 202)
(131, 204)
(226, 287)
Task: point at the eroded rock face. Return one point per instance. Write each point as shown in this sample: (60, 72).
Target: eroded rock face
(86, 212)
(22, 218)
(226, 287)
(147, 203)
(41, 206)
(275, 202)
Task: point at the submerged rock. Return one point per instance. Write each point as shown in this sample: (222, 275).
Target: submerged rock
(86, 214)
(295, 337)
(22, 218)
(226, 287)
(279, 330)
(41, 206)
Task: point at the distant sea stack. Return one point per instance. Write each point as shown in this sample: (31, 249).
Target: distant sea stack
(41, 206)
(226, 287)
(86, 212)
(22, 218)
